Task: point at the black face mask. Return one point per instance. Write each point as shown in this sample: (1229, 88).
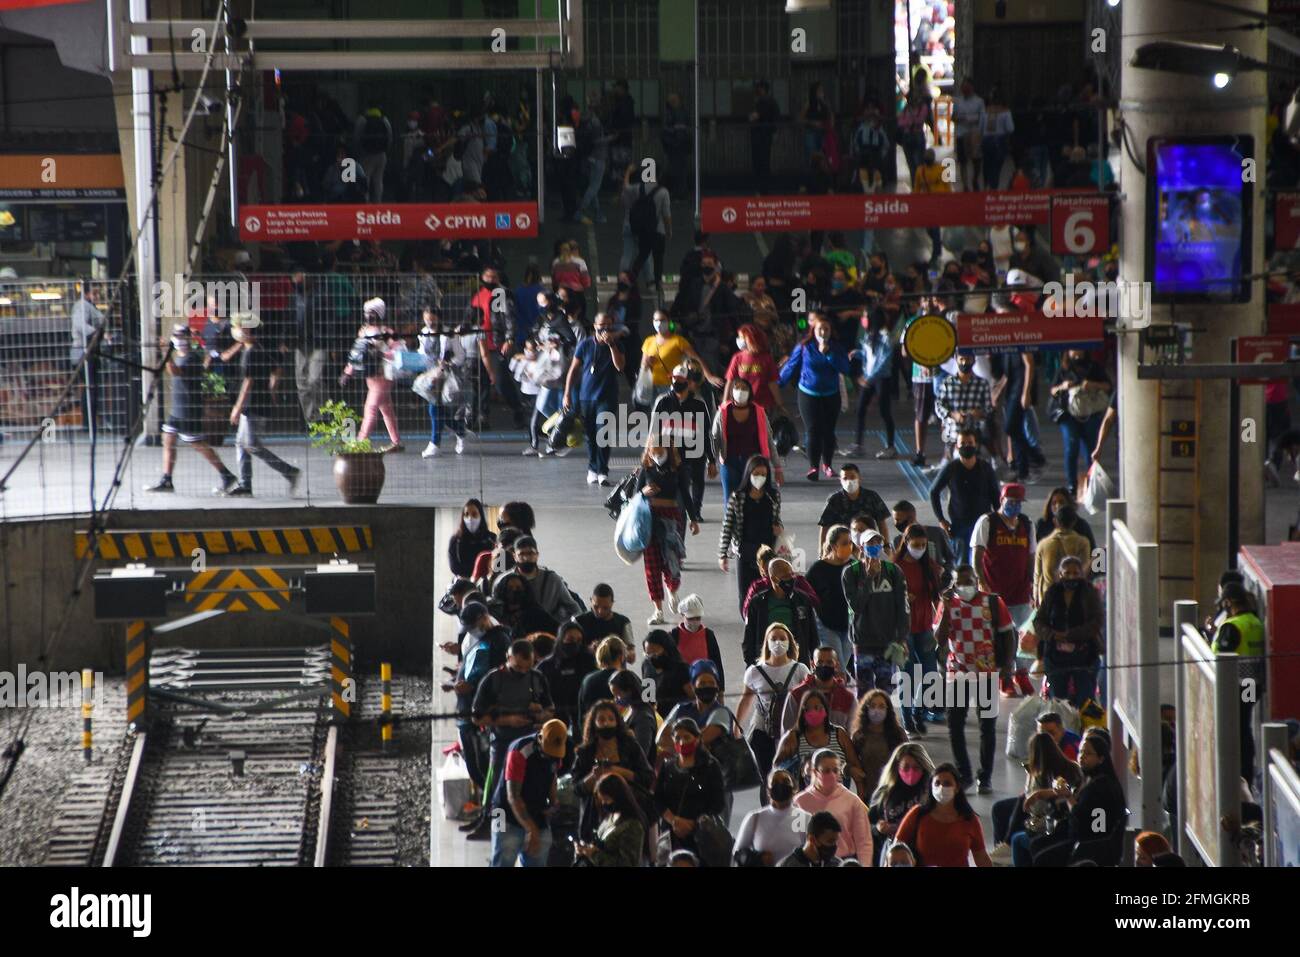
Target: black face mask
(680, 387)
(706, 694)
(824, 672)
(659, 661)
(569, 649)
(826, 852)
(781, 791)
(1071, 583)
(514, 598)
(623, 287)
(526, 567)
(965, 368)
(968, 451)
(607, 733)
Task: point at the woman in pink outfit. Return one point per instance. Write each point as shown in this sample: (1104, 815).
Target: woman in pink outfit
(828, 794)
(374, 344)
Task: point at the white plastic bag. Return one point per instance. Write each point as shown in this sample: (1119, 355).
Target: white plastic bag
(453, 785)
(1097, 487)
(450, 388)
(644, 392)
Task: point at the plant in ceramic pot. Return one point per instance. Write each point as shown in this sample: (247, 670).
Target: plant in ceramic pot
(358, 466)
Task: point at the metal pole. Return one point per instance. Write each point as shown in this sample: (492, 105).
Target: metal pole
(1272, 737)
(386, 704)
(1227, 751)
(1149, 682)
(1234, 462)
(1185, 613)
(146, 214)
(87, 711)
(233, 172)
(697, 111)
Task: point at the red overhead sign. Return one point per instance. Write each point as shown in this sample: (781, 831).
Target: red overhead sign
(757, 214)
(1286, 221)
(1080, 224)
(388, 221)
(1025, 332)
(1284, 318)
(1257, 349)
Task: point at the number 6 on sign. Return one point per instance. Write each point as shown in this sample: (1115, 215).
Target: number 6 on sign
(1080, 224)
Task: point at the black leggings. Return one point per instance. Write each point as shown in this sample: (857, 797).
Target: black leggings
(819, 414)
(886, 412)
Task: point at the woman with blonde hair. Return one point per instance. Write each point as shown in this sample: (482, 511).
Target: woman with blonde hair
(767, 683)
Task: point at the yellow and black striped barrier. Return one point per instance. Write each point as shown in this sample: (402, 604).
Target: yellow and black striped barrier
(137, 673)
(87, 712)
(342, 680)
(386, 704)
(306, 540)
(256, 588)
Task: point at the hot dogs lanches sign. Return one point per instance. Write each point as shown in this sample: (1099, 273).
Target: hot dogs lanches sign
(756, 214)
(388, 221)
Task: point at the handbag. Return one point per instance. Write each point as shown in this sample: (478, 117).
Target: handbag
(739, 768)
(1084, 403)
(713, 841)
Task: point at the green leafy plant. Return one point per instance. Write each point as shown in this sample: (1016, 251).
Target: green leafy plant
(214, 384)
(336, 430)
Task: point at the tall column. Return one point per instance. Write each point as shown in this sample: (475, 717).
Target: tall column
(1154, 103)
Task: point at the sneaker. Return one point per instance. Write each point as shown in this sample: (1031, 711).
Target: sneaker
(1009, 474)
(393, 448)
(561, 452)
(1023, 683)
(1035, 474)
(591, 477)
(932, 469)
(918, 460)
(936, 717)
(293, 478)
(966, 780)
(812, 475)
(1008, 687)
(228, 482)
(429, 452)
(853, 449)
(529, 450)
(239, 491)
(889, 453)
(543, 452)
(602, 480)
(985, 787)
(656, 619)
(460, 444)
(828, 471)
(472, 824)
(164, 484)
(483, 832)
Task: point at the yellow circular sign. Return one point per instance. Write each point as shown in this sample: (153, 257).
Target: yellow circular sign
(930, 340)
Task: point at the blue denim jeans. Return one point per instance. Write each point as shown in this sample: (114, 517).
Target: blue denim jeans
(872, 671)
(731, 471)
(442, 415)
(508, 842)
(839, 640)
(1020, 855)
(928, 662)
(1080, 437)
(591, 198)
(597, 456)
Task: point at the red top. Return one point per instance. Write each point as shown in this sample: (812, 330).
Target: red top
(742, 438)
(937, 844)
(1009, 559)
(920, 597)
(693, 645)
(758, 371)
(482, 301)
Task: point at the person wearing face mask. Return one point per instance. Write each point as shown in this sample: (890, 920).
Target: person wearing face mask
(704, 707)
(818, 849)
(611, 658)
(471, 538)
(664, 669)
(851, 499)
(770, 834)
(622, 838)
(903, 783)
(944, 830)
(962, 401)
(1037, 804)
(482, 649)
(875, 734)
(665, 350)
(741, 430)
(1068, 625)
(454, 353)
(978, 631)
(595, 368)
(767, 686)
(565, 671)
(972, 487)
(826, 578)
(1047, 524)
(904, 513)
(752, 520)
(526, 796)
(608, 747)
(1098, 802)
(1242, 633)
(185, 417)
(924, 580)
(1079, 392)
(548, 590)
(1029, 257)
(930, 177)
(629, 693)
(779, 597)
(826, 793)
(1064, 541)
(827, 680)
(664, 480)
(875, 350)
(1002, 551)
(694, 641)
(754, 363)
(492, 309)
(684, 416)
(819, 362)
(879, 618)
(689, 785)
(811, 733)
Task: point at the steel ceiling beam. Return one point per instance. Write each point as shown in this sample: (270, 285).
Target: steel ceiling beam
(303, 60)
(182, 30)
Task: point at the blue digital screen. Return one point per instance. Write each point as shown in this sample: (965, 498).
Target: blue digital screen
(1198, 211)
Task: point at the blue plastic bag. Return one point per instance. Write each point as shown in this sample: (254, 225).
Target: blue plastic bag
(635, 525)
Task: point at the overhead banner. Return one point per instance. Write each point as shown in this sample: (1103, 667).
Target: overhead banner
(1025, 332)
(388, 221)
(1086, 214)
(45, 176)
(1286, 221)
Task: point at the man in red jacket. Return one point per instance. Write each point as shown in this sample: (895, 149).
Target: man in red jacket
(1003, 545)
(828, 679)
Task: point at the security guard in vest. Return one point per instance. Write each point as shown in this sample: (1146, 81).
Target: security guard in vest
(1242, 633)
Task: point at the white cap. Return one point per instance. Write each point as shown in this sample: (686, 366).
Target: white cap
(8, 272)
(242, 258)
(692, 606)
(375, 307)
(1018, 277)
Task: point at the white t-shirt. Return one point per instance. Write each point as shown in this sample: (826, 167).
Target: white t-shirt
(768, 829)
(779, 675)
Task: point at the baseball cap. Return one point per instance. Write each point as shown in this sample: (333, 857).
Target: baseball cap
(1018, 277)
(701, 666)
(871, 536)
(1013, 490)
(681, 371)
(472, 612)
(554, 737)
(375, 307)
(241, 322)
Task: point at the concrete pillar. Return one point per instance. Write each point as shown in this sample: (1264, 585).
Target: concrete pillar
(1194, 529)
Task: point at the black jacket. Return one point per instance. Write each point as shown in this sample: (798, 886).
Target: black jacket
(630, 756)
(565, 676)
(463, 549)
(972, 492)
(804, 627)
(1081, 622)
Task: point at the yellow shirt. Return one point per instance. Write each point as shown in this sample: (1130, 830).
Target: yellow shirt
(929, 179)
(664, 358)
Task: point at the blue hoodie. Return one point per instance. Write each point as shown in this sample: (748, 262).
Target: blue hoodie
(818, 372)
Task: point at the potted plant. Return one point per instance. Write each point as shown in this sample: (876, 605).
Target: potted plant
(358, 467)
(216, 407)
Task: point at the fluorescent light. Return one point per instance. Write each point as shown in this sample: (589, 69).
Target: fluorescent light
(6, 301)
(1112, 3)
(45, 296)
(1221, 80)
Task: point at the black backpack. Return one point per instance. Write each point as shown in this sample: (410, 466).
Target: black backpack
(772, 723)
(643, 218)
(374, 135)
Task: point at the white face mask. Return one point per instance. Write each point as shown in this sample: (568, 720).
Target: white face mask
(740, 343)
(967, 592)
(856, 538)
(472, 524)
(822, 335)
(916, 551)
(659, 325)
(778, 648)
(180, 345)
(876, 715)
(659, 458)
(850, 485)
(758, 481)
(944, 795)
(741, 396)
